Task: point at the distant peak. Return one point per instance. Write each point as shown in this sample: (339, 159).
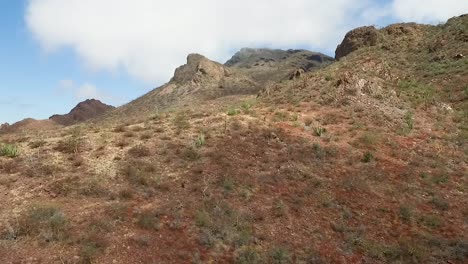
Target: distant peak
(83, 111)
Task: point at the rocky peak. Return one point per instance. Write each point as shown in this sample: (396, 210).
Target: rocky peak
(83, 111)
(355, 39)
(198, 68)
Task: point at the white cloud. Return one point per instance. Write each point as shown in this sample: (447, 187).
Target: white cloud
(428, 11)
(88, 91)
(81, 92)
(150, 38)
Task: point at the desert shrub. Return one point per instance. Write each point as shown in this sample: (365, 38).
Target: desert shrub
(120, 129)
(248, 256)
(368, 139)
(37, 144)
(137, 128)
(405, 213)
(280, 208)
(123, 142)
(45, 221)
(9, 150)
(149, 220)
(319, 131)
(92, 244)
(431, 221)
(126, 193)
(92, 187)
(232, 111)
(221, 224)
(140, 173)
(72, 144)
(247, 105)
(281, 116)
(139, 151)
(200, 141)
(368, 157)
(440, 203)
(280, 256)
(146, 136)
(129, 134)
(409, 120)
(180, 121)
(191, 154)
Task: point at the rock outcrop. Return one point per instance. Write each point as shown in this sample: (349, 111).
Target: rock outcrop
(198, 68)
(355, 39)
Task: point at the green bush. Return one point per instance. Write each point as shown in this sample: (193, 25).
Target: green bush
(233, 111)
(9, 150)
(368, 157)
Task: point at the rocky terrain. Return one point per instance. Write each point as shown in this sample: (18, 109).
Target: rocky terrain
(273, 157)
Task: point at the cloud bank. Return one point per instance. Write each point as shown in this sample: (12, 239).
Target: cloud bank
(150, 38)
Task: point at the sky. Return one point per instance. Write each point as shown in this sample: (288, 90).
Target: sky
(56, 53)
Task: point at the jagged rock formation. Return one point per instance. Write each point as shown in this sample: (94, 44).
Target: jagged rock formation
(198, 68)
(83, 111)
(274, 65)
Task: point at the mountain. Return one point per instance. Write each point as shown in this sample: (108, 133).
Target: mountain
(361, 159)
(85, 110)
(275, 65)
(202, 79)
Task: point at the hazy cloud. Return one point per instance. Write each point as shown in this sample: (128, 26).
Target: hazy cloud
(81, 92)
(150, 38)
(428, 11)
(88, 91)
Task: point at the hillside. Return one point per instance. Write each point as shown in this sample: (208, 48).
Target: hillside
(273, 157)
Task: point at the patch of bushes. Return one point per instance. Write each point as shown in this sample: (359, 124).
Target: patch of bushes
(9, 150)
(140, 173)
(45, 221)
(417, 93)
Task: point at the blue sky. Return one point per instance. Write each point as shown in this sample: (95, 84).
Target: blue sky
(56, 53)
(30, 77)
